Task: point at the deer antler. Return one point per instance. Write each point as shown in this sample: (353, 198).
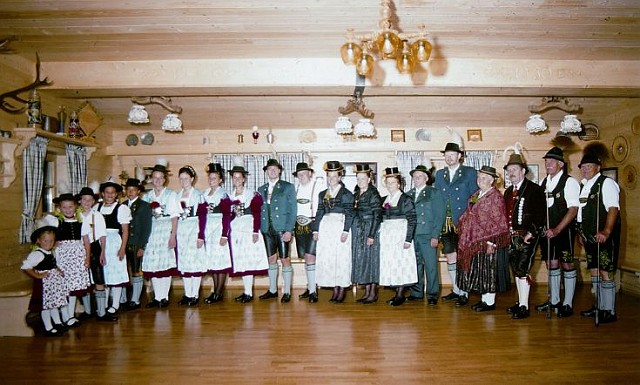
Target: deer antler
(7, 105)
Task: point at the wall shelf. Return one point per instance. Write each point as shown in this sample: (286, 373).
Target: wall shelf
(24, 135)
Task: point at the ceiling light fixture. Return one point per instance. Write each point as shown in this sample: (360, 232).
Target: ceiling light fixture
(386, 43)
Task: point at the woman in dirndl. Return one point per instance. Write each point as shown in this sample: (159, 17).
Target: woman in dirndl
(331, 230)
(248, 252)
(483, 229)
(159, 262)
(364, 232)
(216, 233)
(190, 240)
(397, 255)
(71, 255)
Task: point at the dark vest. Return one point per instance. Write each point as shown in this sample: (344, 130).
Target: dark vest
(111, 220)
(68, 231)
(592, 221)
(48, 263)
(559, 208)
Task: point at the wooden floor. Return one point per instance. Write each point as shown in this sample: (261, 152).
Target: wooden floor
(266, 342)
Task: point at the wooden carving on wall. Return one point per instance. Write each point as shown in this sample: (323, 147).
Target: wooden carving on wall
(8, 99)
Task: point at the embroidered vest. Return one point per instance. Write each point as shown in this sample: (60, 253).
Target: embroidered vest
(559, 208)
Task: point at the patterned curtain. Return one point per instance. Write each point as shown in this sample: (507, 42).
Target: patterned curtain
(77, 166)
(33, 158)
(407, 161)
(477, 159)
(253, 163)
(288, 160)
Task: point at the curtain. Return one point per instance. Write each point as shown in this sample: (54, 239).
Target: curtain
(477, 159)
(289, 160)
(407, 161)
(33, 158)
(77, 166)
(253, 163)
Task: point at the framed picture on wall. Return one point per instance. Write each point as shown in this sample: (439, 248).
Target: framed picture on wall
(397, 135)
(611, 172)
(474, 135)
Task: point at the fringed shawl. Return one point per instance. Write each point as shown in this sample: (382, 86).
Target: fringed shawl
(483, 221)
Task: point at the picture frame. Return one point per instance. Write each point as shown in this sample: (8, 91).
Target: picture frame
(611, 172)
(474, 135)
(397, 136)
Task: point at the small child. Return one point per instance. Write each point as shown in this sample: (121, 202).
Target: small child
(49, 279)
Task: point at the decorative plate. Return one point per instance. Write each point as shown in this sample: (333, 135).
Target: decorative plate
(620, 148)
(589, 132)
(147, 138)
(635, 125)
(307, 136)
(629, 177)
(132, 140)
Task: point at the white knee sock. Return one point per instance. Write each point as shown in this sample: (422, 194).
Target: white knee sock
(287, 275)
(123, 295)
(554, 281)
(523, 292)
(101, 302)
(46, 319)
(569, 287)
(55, 316)
(164, 285)
(116, 292)
(489, 298)
(273, 277)
(195, 287)
(86, 303)
(72, 306)
(138, 284)
(451, 268)
(186, 284)
(247, 281)
(311, 278)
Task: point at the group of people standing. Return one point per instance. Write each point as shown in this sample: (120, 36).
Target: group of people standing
(346, 238)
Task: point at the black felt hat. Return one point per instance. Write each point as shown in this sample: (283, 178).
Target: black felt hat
(110, 183)
(590, 158)
(555, 153)
(86, 191)
(302, 166)
(391, 171)
(452, 147)
(362, 168)
(489, 171)
(214, 167)
(239, 169)
(134, 182)
(333, 165)
(272, 162)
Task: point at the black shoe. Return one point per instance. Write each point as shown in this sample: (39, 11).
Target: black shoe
(313, 297)
(193, 301)
(112, 310)
(269, 295)
(589, 312)
(164, 303)
(462, 300)
(246, 299)
(413, 298)
(475, 305)
(606, 317)
(432, 301)
(523, 312)
(107, 318)
(450, 297)
(184, 300)
(369, 301)
(62, 328)
(397, 301)
(213, 298)
(72, 322)
(513, 309)
(85, 316)
(240, 297)
(286, 298)
(565, 311)
(484, 307)
(304, 295)
(53, 332)
(154, 303)
(545, 306)
(132, 306)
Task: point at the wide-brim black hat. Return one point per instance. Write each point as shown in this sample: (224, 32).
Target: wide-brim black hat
(86, 191)
(362, 168)
(110, 183)
(134, 182)
(64, 197)
(239, 169)
(333, 165)
(590, 158)
(159, 167)
(452, 147)
(38, 232)
(46, 223)
(272, 162)
(214, 167)
(422, 168)
(555, 153)
(302, 166)
(489, 171)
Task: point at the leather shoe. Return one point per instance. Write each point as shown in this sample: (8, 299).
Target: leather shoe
(522, 312)
(565, 311)
(132, 306)
(286, 297)
(154, 303)
(313, 297)
(397, 301)
(462, 300)
(85, 316)
(545, 306)
(305, 294)
(513, 309)
(432, 301)
(484, 307)
(53, 332)
(475, 305)
(184, 300)
(213, 298)
(413, 298)
(107, 318)
(245, 298)
(193, 301)
(606, 317)
(450, 297)
(164, 303)
(269, 295)
(589, 312)
(370, 300)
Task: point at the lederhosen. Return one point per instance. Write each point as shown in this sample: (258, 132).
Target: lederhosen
(305, 244)
(131, 251)
(97, 271)
(592, 222)
(449, 234)
(521, 254)
(560, 246)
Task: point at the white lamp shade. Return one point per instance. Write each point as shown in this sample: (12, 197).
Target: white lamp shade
(570, 123)
(138, 115)
(344, 126)
(172, 123)
(365, 128)
(536, 124)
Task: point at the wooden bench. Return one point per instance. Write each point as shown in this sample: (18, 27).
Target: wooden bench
(14, 305)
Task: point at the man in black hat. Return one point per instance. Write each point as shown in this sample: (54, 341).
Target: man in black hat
(426, 235)
(455, 183)
(599, 223)
(525, 205)
(562, 192)
(139, 232)
(277, 224)
(307, 191)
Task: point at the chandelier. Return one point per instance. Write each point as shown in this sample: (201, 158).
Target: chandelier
(386, 43)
